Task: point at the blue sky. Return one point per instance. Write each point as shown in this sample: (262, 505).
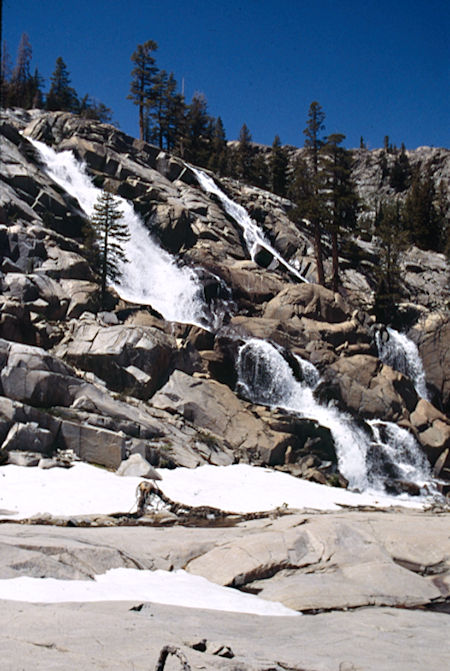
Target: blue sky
(377, 67)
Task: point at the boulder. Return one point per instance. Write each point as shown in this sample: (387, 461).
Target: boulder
(432, 429)
(137, 466)
(135, 359)
(94, 445)
(212, 406)
(31, 375)
(307, 300)
(366, 387)
(432, 336)
(28, 438)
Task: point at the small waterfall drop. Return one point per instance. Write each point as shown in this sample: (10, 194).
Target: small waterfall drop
(150, 276)
(401, 353)
(395, 452)
(253, 235)
(264, 376)
(367, 459)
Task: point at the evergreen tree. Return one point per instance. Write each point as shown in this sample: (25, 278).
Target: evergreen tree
(142, 83)
(91, 108)
(278, 164)
(199, 131)
(5, 75)
(61, 95)
(400, 172)
(157, 113)
(111, 233)
(260, 172)
(313, 143)
(420, 216)
(20, 93)
(36, 91)
(392, 241)
(218, 160)
(244, 162)
(176, 124)
(341, 196)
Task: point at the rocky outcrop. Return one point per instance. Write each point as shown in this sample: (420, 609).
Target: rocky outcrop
(132, 359)
(364, 386)
(177, 384)
(432, 336)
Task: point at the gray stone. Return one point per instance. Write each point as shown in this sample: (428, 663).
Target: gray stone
(137, 466)
(97, 446)
(29, 438)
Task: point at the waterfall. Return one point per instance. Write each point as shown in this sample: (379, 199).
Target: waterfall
(395, 452)
(150, 276)
(265, 377)
(401, 353)
(253, 235)
(367, 459)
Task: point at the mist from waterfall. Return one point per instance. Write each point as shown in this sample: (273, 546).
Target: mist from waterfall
(253, 235)
(150, 276)
(401, 353)
(365, 458)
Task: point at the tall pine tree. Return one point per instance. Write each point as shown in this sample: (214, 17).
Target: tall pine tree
(340, 195)
(61, 95)
(278, 163)
(313, 143)
(111, 232)
(142, 88)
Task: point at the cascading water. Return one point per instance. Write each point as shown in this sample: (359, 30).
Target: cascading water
(150, 276)
(366, 459)
(253, 235)
(401, 353)
(395, 453)
(264, 376)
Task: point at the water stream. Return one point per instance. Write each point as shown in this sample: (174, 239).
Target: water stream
(253, 235)
(365, 457)
(401, 353)
(150, 276)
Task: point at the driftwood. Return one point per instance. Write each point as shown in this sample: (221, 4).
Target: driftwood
(172, 650)
(149, 495)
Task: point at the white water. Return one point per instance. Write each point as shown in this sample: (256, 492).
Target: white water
(402, 354)
(253, 235)
(264, 376)
(395, 449)
(150, 276)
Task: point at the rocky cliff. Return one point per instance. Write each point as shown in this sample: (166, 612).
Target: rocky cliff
(107, 384)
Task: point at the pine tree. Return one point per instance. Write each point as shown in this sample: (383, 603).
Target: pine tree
(199, 131)
(313, 143)
(400, 172)
(392, 241)
(176, 124)
(341, 196)
(111, 233)
(61, 95)
(218, 160)
(420, 216)
(5, 75)
(278, 163)
(142, 83)
(244, 158)
(259, 175)
(91, 108)
(20, 92)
